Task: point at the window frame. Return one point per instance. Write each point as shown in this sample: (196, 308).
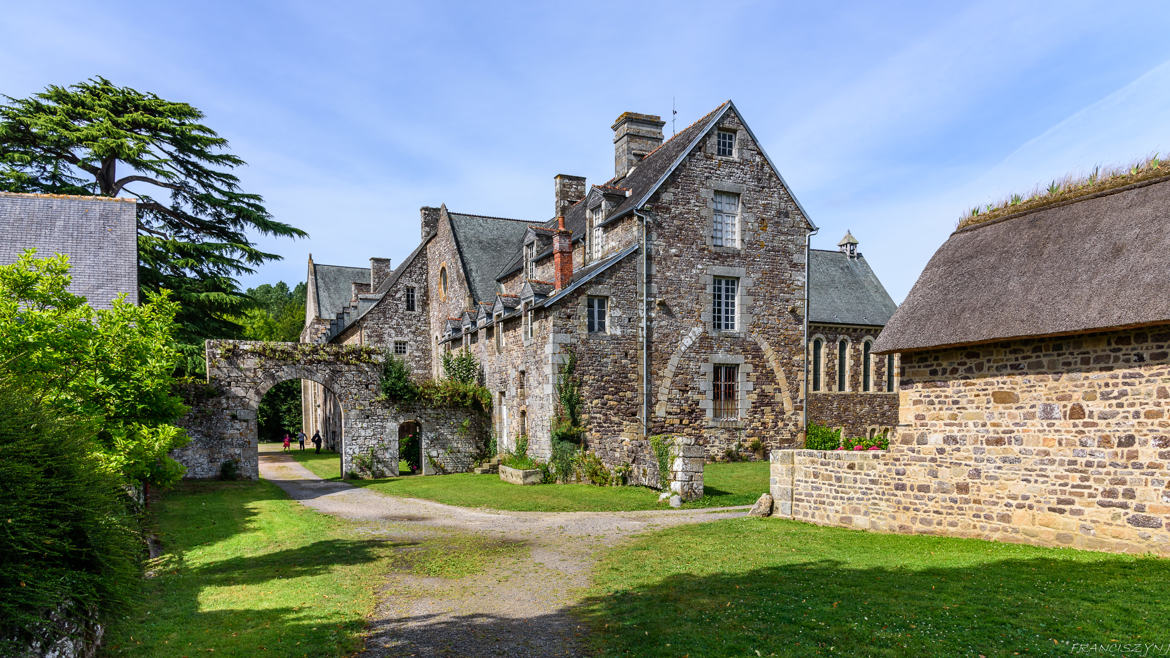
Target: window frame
(498, 321)
(724, 308)
(725, 225)
(528, 320)
(595, 305)
(842, 365)
(867, 366)
(818, 374)
(410, 298)
(396, 345)
(443, 283)
(891, 371)
(731, 136)
(725, 392)
(596, 241)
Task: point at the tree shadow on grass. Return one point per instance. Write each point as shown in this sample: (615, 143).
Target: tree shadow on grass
(1040, 606)
(1037, 606)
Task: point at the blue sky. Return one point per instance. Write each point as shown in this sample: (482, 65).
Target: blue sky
(887, 119)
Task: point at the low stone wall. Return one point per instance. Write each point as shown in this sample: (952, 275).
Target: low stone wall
(686, 472)
(1005, 495)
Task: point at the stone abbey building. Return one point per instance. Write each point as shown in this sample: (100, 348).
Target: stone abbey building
(681, 284)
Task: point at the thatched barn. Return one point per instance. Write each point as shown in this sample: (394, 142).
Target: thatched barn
(1034, 384)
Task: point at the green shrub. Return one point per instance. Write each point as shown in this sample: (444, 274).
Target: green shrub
(69, 532)
(396, 383)
(518, 457)
(865, 443)
(819, 437)
(230, 470)
(564, 460)
(662, 446)
(566, 425)
(461, 367)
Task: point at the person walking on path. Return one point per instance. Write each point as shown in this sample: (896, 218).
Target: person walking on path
(301, 439)
(317, 441)
(287, 443)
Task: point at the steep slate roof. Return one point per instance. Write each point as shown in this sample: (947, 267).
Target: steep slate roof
(334, 287)
(485, 244)
(99, 234)
(1087, 265)
(844, 290)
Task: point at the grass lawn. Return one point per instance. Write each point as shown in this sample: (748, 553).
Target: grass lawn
(724, 485)
(781, 587)
(246, 570)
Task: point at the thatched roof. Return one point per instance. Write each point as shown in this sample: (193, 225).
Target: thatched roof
(1093, 263)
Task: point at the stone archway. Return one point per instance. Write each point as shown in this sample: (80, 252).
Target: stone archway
(222, 421)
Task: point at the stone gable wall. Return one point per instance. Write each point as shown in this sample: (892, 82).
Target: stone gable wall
(389, 321)
(856, 412)
(770, 262)
(1061, 441)
(441, 252)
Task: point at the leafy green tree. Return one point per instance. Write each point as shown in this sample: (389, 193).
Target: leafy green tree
(194, 219)
(461, 367)
(111, 368)
(279, 313)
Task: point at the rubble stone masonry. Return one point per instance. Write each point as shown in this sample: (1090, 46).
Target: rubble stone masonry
(1058, 441)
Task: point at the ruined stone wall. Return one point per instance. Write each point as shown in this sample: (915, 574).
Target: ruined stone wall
(1060, 441)
(854, 410)
(389, 321)
(768, 343)
(222, 420)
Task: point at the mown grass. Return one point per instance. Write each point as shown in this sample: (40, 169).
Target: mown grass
(780, 587)
(246, 570)
(725, 484)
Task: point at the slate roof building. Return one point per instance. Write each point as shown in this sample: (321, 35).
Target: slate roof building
(679, 284)
(99, 234)
(850, 387)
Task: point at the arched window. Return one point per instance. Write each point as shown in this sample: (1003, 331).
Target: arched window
(866, 366)
(443, 283)
(816, 363)
(842, 355)
(889, 373)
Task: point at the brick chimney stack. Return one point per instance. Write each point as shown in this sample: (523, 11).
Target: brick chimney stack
(568, 190)
(634, 137)
(562, 255)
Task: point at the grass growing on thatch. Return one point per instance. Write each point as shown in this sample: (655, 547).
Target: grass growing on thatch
(1070, 188)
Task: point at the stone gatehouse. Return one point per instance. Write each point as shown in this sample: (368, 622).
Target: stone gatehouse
(680, 283)
(222, 421)
(1034, 386)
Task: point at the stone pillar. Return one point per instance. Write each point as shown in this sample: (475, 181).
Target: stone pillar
(686, 472)
(783, 470)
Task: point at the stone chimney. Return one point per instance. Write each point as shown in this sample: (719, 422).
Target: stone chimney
(634, 137)
(379, 270)
(429, 220)
(358, 288)
(562, 255)
(568, 190)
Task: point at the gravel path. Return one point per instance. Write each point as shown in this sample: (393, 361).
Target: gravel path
(517, 607)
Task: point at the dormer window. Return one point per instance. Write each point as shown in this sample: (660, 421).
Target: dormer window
(725, 143)
(596, 233)
(529, 254)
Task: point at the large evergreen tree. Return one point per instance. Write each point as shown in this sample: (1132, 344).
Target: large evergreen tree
(193, 219)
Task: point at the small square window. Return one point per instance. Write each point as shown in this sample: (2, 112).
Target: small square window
(595, 314)
(723, 303)
(410, 298)
(399, 347)
(726, 143)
